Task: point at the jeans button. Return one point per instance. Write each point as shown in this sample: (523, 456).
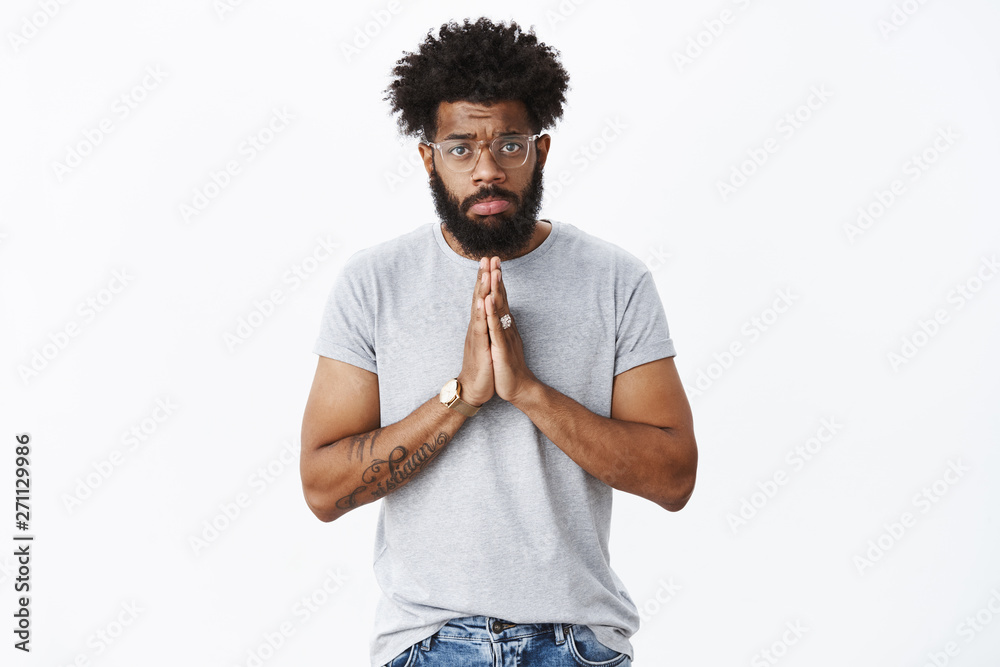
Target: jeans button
(497, 627)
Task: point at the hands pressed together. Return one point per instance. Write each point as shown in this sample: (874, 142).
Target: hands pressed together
(494, 356)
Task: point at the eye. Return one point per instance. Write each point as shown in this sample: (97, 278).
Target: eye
(460, 151)
(511, 147)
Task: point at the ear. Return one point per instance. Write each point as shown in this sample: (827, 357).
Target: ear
(542, 148)
(427, 156)
(427, 152)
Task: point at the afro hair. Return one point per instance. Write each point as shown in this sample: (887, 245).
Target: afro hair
(479, 62)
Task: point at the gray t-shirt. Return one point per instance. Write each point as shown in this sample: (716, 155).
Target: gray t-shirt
(502, 523)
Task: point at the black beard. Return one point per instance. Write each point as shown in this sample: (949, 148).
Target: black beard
(493, 235)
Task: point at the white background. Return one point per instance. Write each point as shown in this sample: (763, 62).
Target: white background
(825, 551)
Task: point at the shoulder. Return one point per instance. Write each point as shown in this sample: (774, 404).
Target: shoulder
(378, 259)
(596, 252)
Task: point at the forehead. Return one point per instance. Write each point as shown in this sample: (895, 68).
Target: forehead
(477, 118)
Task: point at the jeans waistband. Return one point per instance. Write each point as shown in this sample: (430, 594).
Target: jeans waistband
(490, 629)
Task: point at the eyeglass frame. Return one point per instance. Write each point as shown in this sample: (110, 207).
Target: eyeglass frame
(531, 138)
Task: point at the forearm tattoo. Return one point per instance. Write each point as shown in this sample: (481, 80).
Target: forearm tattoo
(356, 445)
(395, 470)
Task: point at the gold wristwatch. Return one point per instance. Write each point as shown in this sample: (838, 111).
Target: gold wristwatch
(451, 398)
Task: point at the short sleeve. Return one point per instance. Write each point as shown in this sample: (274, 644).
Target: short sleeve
(346, 332)
(642, 335)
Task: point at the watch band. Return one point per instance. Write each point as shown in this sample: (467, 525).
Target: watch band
(451, 398)
(466, 409)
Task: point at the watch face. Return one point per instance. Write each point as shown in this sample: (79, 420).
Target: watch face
(449, 391)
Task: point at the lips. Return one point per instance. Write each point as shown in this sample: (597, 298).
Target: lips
(490, 206)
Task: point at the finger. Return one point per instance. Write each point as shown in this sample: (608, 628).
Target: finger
(482, 286)
(476, 288)
(480, 326)
(491, 315)
(496, 290)
(501, 291)
(493, 319)
(485, 279)
(481, 323)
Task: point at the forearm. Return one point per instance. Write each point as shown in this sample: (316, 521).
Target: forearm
(359, 469)
(656, 463)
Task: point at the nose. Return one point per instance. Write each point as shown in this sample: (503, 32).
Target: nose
(486, 169)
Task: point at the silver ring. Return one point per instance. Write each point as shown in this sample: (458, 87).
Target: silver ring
(505, 321)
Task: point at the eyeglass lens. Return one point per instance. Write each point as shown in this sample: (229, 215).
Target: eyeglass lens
(462, 154)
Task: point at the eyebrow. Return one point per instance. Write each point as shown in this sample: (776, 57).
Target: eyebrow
(468, 135)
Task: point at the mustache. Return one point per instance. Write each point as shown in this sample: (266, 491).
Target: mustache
(490, 192)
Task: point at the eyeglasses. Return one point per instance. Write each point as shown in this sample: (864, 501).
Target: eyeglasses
(509, 152)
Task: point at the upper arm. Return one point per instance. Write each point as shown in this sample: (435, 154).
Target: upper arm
(343, 401)
(652, 394)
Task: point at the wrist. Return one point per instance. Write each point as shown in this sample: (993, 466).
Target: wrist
(467, 394)
(455, 398)
(528, 394)
(471, 399)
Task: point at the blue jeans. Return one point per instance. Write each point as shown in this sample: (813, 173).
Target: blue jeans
(481, 641)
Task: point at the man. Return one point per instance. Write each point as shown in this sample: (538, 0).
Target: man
(559, 384)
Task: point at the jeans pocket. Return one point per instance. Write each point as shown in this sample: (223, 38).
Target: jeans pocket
(588, 651)
(404, 659)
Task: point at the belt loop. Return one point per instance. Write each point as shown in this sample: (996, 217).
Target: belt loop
(560, 637)
(426, 644)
